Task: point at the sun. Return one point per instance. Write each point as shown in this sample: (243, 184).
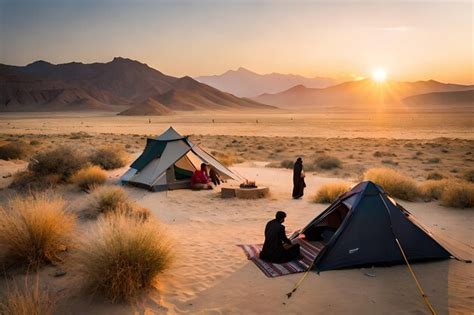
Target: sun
(379, 75)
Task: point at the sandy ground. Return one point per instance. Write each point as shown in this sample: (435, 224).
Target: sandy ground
(403, 125)
(211, 274)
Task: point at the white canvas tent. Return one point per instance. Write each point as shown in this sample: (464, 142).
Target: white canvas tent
(169, 161)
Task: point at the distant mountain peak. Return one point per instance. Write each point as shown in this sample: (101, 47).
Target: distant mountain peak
(40, 63)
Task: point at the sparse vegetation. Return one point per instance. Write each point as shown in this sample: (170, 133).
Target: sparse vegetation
(14, 151)
(108, 198)
(433, 160)
(27, 300)
(432, 189)
(328, 193)
(434, 176)
(396, 184)
(62, 161)
(89, 177)
(123, 257)
(227, 158)
(327, 162)
(109, 158)
(28, 181)
(469, 175)
(34, 230)
(458, 195)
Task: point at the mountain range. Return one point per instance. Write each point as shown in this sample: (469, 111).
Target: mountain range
(366, 93)
(245, 83)
(120, 85)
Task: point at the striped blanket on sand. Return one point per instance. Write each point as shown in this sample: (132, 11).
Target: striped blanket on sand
(309, 251)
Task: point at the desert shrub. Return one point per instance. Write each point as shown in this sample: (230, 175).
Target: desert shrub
(228, 158)
(35, 142)
(109, 158)
(458, 195)
(28, 181)
(396, 184)
(62, 161)
(14, 151)
(108, 198)
(432, 189)
(328, 193)
(469, 176)
(389, 161)
(122, 257)
(89, 177)
(383, 153)
(287, 164)
(434, 160)
(34, 229)
(327, 162)
(434, 176)
(27, 300)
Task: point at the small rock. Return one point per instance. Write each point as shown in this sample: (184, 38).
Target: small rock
(7, 176)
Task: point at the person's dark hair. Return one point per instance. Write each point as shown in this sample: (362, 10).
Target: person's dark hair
(299, 160)
(280, 215)
(203, 165)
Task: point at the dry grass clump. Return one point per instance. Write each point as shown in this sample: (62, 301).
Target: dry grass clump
(328, 193)
(34, 230)
(469, 176)
(62, 161)
(458, 195)
(432, 189)
(226, 158)
(434, 176)
(89, 177)
(108, 198)
(27, 300)
(396, 184)
(28, 181)
(14, 151)
(109, 158)
(122, 257)
(327, 162)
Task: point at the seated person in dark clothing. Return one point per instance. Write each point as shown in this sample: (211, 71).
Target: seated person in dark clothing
(277, 247)
(215, 178)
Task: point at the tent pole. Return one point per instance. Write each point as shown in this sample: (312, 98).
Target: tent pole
(289, 294)
(423, 295)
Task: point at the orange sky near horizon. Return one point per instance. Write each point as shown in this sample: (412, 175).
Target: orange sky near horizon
(417, 40)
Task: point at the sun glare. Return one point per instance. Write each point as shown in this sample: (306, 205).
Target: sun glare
(379, 75)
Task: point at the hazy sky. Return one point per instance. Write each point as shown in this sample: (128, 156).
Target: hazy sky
(411, 40)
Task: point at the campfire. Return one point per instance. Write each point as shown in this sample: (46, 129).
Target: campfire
(248, 184)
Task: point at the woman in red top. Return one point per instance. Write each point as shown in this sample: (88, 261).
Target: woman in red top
(200, 179)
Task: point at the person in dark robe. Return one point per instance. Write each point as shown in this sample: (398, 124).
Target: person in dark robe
(277, 248)
(215, 178)
(298, 179)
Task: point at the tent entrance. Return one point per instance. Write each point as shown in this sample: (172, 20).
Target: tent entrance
(323, 230)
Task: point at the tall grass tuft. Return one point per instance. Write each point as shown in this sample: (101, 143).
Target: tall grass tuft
(433, 189)
(328, 193)
(27, 300)
(396, 184)
(458, 195)
(108, 198)
(89, 177)
(34, 230)
(122, 257)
